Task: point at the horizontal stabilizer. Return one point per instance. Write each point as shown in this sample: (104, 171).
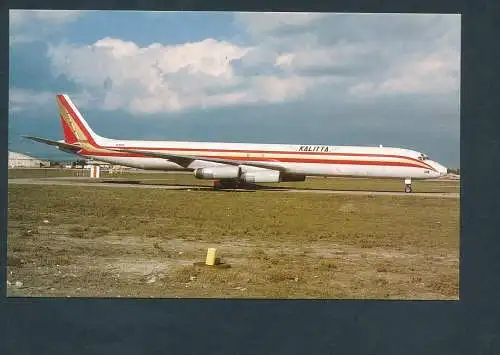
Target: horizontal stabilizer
(62, 145)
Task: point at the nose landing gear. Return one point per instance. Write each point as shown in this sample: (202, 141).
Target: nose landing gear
(408, 188)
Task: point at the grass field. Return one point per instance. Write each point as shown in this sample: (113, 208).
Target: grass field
(81, 241)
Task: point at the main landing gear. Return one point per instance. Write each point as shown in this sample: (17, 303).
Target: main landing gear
(233, 185)
(220, 185)
(408, 188)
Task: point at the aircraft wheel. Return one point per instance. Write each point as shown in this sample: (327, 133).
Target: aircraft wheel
(408, 189)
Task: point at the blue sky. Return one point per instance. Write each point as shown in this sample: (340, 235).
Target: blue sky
(354, 79)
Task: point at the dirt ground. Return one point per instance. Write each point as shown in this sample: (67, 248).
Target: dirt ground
(320, 270)
(80, 242)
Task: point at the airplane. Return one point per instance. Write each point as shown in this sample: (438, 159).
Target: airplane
(240, 164)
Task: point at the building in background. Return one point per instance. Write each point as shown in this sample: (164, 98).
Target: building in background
(18, 160)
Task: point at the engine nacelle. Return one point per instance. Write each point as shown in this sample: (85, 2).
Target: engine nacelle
(261, 176)
(218, 173)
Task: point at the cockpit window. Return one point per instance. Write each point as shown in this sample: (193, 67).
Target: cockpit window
(423, 157)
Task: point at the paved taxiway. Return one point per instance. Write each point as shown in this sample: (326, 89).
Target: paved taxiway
(124, 184)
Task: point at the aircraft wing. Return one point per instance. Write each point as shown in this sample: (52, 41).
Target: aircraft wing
(186, 160)
(62, 145)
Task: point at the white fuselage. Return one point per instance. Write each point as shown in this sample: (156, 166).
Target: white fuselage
(241, 162)
(310, 160)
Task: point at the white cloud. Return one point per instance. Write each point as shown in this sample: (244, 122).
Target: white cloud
(23, 99)
(288, 56)
(342, 55)
(436, 73)
(18, 17)
(263, 23)
(31, 25)
(364, 54)
(167, 78)
(30, 100)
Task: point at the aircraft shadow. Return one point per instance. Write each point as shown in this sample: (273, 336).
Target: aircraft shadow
(284, 188)
(246, 188)
(125, 182)
(139, 182)
(197, 187)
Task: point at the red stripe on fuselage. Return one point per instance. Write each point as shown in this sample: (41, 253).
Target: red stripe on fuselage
(273, 160)
(208, 150)
(180, 150)
(277, 158)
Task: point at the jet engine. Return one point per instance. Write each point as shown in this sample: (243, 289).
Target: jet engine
(218, 173)
(261, 176)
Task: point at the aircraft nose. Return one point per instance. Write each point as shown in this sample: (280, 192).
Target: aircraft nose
(441, 169)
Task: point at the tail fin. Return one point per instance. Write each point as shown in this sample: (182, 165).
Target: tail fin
(75, 128)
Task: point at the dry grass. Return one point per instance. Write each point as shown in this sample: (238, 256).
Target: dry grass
(142, 242)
